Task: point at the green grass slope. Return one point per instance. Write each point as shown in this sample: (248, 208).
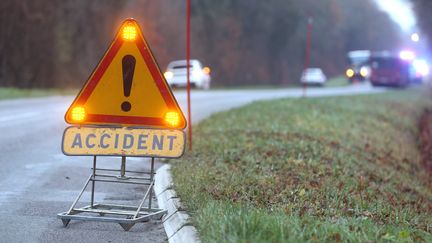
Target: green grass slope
(14, 93)
(325, 169)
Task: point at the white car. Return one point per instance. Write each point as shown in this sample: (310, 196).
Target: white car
(313, 76)
(176, 74)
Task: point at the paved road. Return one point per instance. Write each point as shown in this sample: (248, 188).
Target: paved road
(37, 181)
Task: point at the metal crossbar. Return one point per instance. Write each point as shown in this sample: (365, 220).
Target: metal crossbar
(98, 212)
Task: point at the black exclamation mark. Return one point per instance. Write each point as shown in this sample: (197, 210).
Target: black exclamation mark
(128, 67)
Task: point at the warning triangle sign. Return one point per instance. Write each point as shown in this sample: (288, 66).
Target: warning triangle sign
(127, 88)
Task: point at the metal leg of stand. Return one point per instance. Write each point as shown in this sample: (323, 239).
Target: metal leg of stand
(79, 196)
(151, 181)
(93, 182)
(69, 212)
(123, 167)
(149, 191)
(143, 200)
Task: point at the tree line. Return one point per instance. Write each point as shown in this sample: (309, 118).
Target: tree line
(423, 8)
(47, 43)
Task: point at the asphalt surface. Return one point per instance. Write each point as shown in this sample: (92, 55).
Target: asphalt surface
(37, 181)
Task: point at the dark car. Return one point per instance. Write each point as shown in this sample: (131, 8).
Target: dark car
(358, 69)
(389, 70)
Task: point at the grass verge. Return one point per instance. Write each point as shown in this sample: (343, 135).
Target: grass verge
(325, 169)
(338, 81)
(13, 93)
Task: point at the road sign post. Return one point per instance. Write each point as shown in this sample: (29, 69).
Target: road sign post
(188, 73)
(307, 50)
(126, 108)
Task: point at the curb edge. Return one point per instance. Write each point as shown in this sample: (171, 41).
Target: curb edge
(175, 222)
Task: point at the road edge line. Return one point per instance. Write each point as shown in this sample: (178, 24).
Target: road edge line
(176, 221)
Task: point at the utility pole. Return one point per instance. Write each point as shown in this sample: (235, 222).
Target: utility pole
(307, 51)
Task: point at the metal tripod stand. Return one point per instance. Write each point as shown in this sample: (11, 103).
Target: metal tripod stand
(126, 216)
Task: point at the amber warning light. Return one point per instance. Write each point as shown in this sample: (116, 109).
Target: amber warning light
(129, 32)
(78, 114)
(172, 118)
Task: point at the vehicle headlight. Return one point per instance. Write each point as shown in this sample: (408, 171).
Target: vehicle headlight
(349, 73)
(169, 75)
(364, 71)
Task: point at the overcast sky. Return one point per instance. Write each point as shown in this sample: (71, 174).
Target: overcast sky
(401, 12)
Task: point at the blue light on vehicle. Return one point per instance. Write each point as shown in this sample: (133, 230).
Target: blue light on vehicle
(421, 67)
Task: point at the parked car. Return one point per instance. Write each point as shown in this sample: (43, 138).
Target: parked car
(313, 76)
(389, 70)
(176, 74)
